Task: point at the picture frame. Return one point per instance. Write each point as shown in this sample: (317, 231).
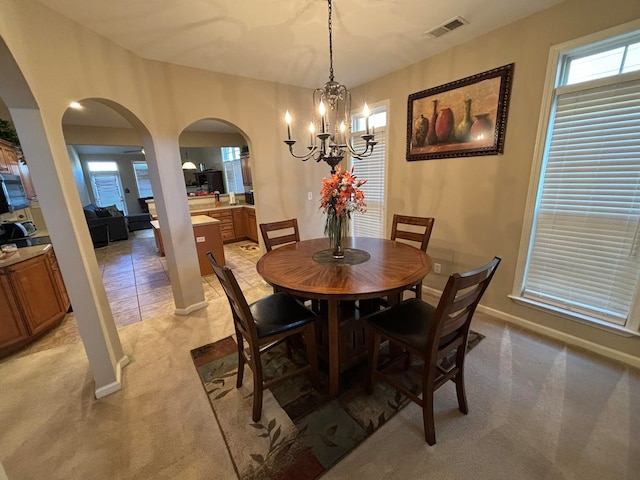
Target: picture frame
(463, 118)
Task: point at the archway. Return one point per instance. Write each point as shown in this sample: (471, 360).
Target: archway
(44, 151)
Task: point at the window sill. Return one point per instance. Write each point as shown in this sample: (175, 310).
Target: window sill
(592, 322)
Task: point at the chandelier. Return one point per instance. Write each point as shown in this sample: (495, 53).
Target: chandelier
(332, 121)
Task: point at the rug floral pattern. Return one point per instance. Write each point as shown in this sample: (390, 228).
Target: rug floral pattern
(303, 431)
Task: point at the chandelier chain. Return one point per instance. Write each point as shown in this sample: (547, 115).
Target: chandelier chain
(330, 46)
(333, 139)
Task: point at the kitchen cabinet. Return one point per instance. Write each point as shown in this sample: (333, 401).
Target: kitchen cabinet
(212, 180)
(251, 225)
(57, 276)
(33, 300)
(245, 167)
(226, 227)
(8, 158)
(9, 163)
(27, 183)
(239, 223)
(206, 231)
(12, 327)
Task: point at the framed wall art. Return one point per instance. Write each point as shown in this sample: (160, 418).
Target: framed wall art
(460, 119)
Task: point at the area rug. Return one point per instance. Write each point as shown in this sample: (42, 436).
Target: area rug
(250, 248)
(303, 432)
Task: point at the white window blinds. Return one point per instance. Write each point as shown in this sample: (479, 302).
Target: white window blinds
(371, 169)
(143, 181)
(107, 190)
(584, 255)
(232, 169)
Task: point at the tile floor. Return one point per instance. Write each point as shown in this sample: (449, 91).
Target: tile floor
(137, 284)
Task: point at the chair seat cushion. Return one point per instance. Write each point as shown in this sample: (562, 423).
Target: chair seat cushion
(279, 313)
(408, 322)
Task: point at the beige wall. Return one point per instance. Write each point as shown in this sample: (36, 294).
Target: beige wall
(478, 202)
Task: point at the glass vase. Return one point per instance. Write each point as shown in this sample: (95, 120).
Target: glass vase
(336, 229)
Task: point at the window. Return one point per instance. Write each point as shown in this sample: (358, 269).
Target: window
(232, 169)
(583, 253)
(141, 170)
(371, 169)
(106, 185)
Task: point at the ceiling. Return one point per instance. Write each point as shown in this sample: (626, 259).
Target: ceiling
(286, 41)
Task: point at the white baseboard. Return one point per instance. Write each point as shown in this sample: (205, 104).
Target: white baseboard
(555, 334)
(191, 308)
(113, 387)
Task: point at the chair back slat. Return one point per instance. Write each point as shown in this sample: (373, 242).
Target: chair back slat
(459, 301)
(242, 317)
(273, 236)
(420, 234)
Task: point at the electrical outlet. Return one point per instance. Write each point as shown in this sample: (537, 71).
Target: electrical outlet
(436, 268)
(309, 196)
(200, 239)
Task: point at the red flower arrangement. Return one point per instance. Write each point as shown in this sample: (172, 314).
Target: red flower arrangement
(340, 195)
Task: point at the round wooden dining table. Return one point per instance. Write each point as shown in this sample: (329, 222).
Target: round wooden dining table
(371, 268)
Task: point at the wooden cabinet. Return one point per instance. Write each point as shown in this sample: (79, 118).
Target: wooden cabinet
(57, 275)
(251, 225)
(33, 300)
(245, 166)
(25, 176)
(207, 236)
(212, 180)
(8, 158)
(9, 163)
(226, 227)
(239, 223)
(12, 327)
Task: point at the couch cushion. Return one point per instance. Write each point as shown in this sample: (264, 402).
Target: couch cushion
(113, 211)
(102, 212)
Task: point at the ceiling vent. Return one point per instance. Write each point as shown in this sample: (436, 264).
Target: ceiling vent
(446, 27)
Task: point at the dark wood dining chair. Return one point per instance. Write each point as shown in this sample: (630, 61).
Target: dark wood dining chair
(276, 234)
(431, 334)
(263, 325)
(417, 231)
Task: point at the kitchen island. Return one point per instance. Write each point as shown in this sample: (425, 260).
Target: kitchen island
(206, 231)
(238, 220)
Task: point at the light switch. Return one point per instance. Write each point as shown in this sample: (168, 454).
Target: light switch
(309, 196)
(200, 239)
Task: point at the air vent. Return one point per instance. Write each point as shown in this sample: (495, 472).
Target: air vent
(446, 27)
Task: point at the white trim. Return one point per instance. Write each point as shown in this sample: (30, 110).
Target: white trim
(555, 334)
(576, 317)
(536, 169)
(191, 308)
(548, 98)
(113, 387)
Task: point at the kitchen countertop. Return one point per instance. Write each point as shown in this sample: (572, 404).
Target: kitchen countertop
(204, 211)
(196, 220)
(22, 254)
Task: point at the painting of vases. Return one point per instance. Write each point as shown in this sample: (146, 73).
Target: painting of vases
(420, 128)
(460, 119)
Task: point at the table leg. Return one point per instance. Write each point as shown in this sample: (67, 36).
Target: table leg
(394, 350)
(334, 348)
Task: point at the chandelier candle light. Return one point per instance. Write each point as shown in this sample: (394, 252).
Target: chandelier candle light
(332, 120)
(340, 195)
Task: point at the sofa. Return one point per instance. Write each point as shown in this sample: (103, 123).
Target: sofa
(138, 221)
(114, 219)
